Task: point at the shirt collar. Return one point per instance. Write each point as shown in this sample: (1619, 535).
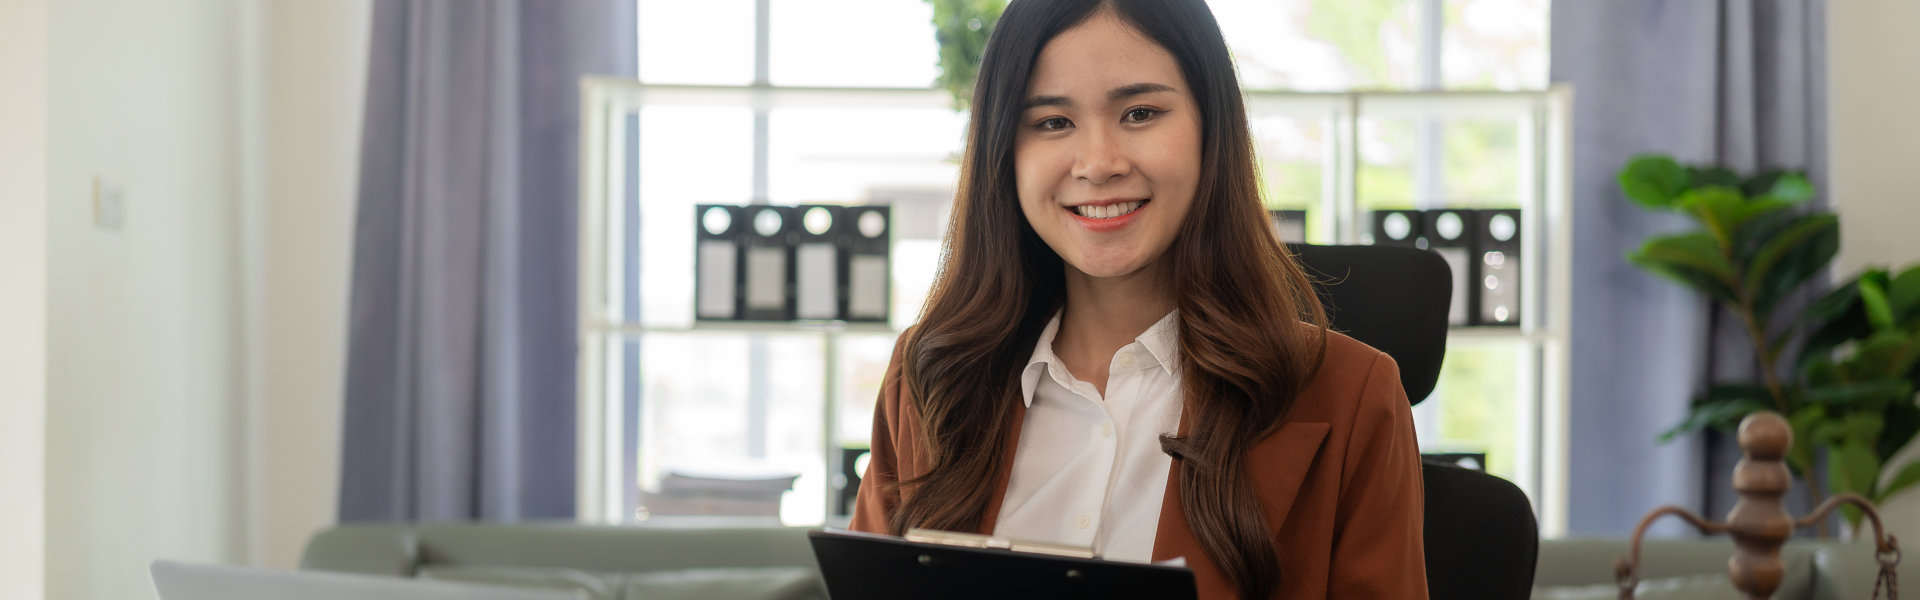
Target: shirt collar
(1162, 342)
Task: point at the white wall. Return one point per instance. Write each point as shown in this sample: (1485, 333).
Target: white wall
(314, 59)
(1874, 139)
(23, 297)
(143, 406)
(1873, 112)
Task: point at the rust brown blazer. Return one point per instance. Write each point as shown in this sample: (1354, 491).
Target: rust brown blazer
(1340, 482)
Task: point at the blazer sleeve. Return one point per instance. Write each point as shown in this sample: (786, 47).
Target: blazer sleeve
(1378, 546)
(879, 494)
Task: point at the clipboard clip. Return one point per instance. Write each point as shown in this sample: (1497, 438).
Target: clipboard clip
(974, 540)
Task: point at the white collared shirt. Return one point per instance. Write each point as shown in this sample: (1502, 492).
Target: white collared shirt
(1089, 471)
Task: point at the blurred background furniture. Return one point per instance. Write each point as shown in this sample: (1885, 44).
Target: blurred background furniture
(604, 562)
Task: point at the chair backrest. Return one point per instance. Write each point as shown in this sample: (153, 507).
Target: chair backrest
(1482, 541)
(1393, 299)
(1481, 538)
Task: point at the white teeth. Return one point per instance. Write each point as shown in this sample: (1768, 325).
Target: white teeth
(1108, 211)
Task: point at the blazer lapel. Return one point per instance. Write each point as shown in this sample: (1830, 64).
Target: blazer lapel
(1279, 464)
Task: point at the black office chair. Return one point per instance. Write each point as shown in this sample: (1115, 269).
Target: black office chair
(1481, 538)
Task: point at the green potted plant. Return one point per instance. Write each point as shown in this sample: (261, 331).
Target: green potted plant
(962, 27)
(1849, 388)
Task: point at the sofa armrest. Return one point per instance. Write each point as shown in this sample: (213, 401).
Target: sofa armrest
(368, 549)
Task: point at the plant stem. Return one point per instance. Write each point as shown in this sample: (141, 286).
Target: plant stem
(1761, 352)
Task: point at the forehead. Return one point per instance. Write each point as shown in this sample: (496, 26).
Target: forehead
(1101, 53)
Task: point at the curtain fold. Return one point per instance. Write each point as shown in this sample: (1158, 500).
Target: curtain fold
(1729, 82)
(460, 377)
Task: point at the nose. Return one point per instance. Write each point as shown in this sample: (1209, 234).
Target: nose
(1101, 157)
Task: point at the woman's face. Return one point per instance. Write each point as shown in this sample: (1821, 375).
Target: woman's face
(1108, 153)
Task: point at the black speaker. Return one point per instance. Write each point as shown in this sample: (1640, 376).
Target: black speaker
(767, 264)
(1291, 225)
(1448, 233)
(818, 281)
(720, 235)
(1497, 245)
(868, 262)
(1398, 228)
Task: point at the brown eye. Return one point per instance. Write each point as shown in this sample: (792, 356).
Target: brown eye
(1055, 123)
(1140, 115)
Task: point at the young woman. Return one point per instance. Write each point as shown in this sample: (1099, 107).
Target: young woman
(1118, 353)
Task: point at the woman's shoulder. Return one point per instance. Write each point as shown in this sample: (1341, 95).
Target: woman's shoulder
(1350, 373)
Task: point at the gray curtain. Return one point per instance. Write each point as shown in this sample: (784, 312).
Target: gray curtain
(460, 374)
(1732, 82)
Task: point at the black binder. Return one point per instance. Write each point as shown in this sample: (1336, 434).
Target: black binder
(864, 566)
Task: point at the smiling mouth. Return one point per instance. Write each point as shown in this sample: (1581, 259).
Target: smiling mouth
(1110, 211)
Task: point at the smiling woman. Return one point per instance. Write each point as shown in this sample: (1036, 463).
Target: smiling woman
(1118, 352)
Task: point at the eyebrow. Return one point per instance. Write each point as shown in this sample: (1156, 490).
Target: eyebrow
(1118, 94)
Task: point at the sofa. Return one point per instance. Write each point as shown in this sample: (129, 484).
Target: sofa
(601, 562)
(1582, 569)
(654, 562)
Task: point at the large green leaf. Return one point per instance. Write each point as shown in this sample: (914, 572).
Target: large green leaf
(1902, 421)
(1791, 187)
(1907, 476)
(1883, 355)
(1903, 294)
(1693, 259)
(1790, 258)
(1870, 394)
(1838, 318)
(1833, 305)
(1720, 209)
(1653, 181)
(1698, 177)
(1758, 229)
(1873, 296)
(1721, 408)
(1852, 468)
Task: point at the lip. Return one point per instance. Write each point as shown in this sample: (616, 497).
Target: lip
(1108, 225)
(1107, 202)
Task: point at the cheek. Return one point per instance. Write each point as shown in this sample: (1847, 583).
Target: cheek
(1033, 177)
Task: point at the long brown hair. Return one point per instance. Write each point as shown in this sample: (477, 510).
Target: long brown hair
(1252, 333)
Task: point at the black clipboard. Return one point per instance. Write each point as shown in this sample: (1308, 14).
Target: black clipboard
(866, 566)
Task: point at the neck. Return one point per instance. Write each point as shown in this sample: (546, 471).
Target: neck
(1104, 313)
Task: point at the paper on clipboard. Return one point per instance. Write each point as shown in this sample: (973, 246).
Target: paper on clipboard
(937, 565)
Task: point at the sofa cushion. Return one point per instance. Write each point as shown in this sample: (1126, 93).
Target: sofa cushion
(746, 583)
(743, 583)
(591, 586)
(1798, 584)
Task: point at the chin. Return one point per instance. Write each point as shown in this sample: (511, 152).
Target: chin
(1107, 268)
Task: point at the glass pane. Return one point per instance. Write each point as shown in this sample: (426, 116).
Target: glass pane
(697, 418)
(706, 42)
(852, 155)
(1432, 162)
(1474, 407)
(1320, 45)
(853, 43)
(1389, 153)
(905, 158)
(688, 156)
(1495, 44)
(863, 366)
(1481, 163)
(1292, 158)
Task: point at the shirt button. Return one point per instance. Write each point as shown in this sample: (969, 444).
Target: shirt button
(1126, 359)
(1082, 522)
(1106, 430)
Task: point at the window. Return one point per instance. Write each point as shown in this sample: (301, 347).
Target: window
(832, 102)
